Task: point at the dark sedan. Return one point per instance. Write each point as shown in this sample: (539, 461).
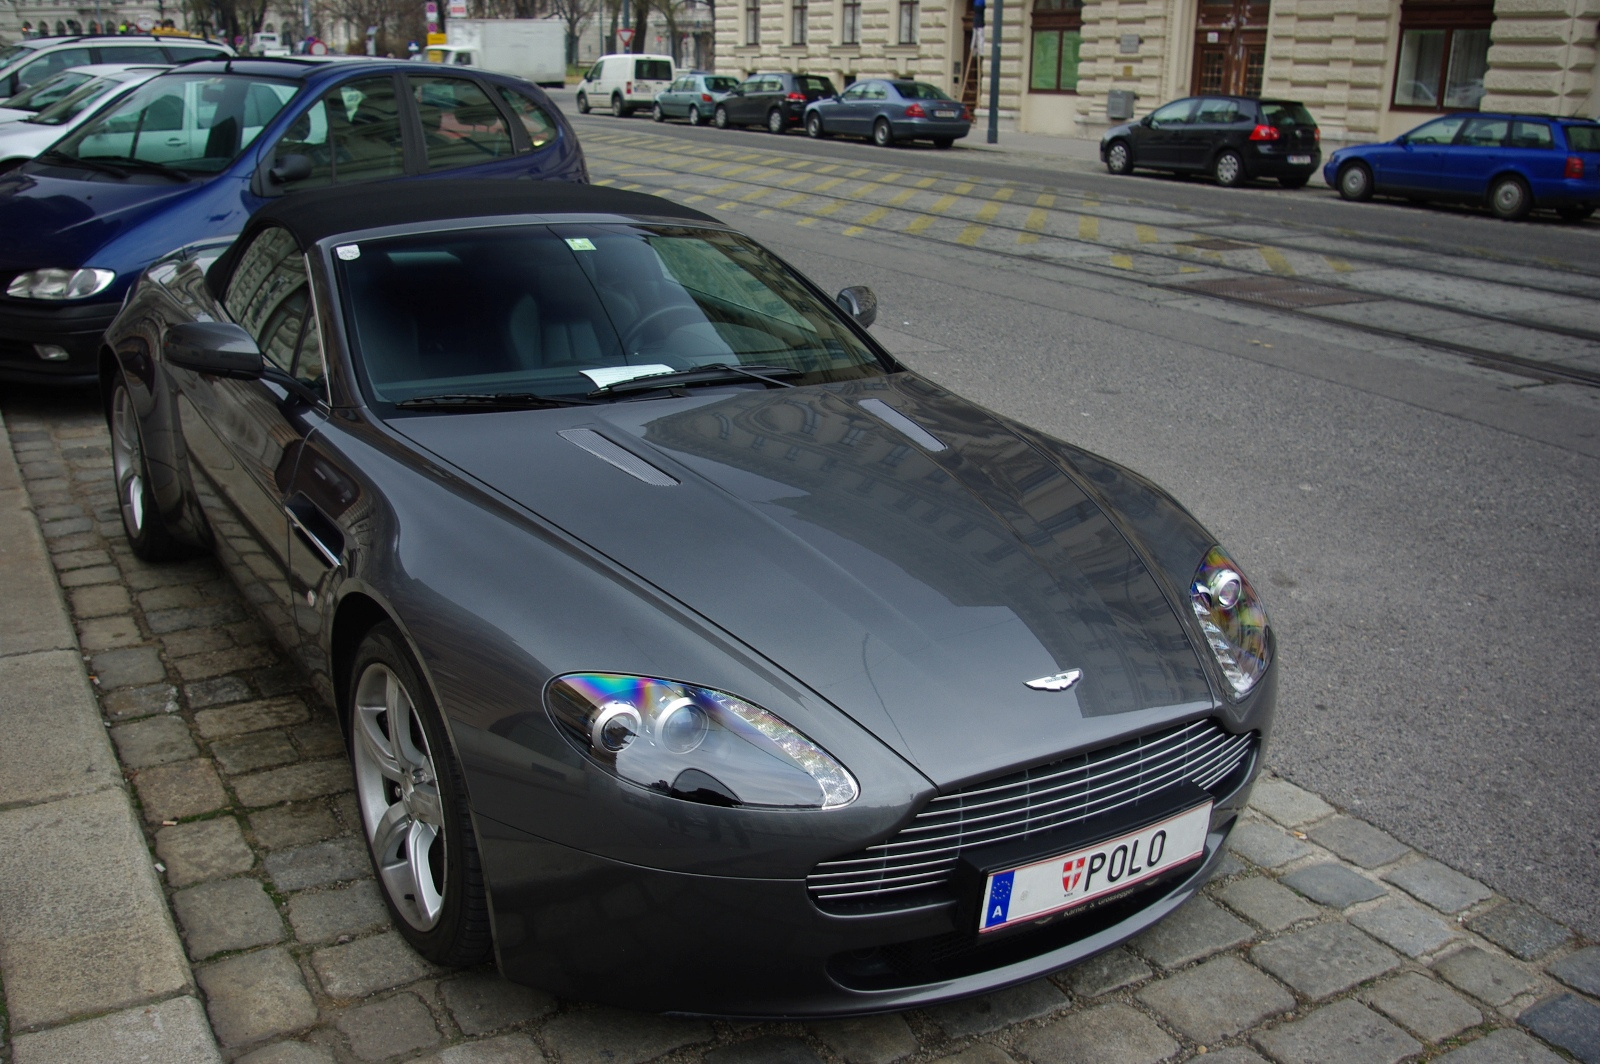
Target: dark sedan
(1232, 138)
(1511, 163)
(693, 654)
(890, 111)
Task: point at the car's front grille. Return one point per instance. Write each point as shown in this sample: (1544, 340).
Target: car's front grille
(921, 856)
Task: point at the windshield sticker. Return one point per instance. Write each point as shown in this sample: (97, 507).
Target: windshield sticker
(580, 243)
(608, 375)
(348, 252)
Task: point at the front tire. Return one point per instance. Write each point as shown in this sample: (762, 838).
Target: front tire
(1228, 170)
(720, 117)
(412, 799)
(694, 115)
(1119, 158)
(583, 104)
(1355, 182)
(882, 133)
(142, 524)
(657, 113)
(775, 122)
(1510, 199)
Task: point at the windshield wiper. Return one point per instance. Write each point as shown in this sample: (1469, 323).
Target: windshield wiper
(496, 401)
(715, 373)
(90, 163)
(140, 164)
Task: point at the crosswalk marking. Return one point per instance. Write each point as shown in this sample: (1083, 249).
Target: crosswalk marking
(1088, 227)
(969, 236)
(1276, 262)
(1146, 234)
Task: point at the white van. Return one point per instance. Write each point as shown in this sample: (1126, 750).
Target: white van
(624, 82)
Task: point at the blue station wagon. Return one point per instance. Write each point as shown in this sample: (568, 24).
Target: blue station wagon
(1514, 163)
(192, 153)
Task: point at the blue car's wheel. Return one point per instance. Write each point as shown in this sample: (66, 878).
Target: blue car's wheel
(1510, 199)
(1355, 182)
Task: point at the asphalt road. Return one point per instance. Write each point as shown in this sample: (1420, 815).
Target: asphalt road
(1425, 528)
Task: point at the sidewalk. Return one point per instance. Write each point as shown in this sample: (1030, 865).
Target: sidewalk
(1321, 940)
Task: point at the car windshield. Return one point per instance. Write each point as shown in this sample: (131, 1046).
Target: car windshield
(1286, 114)
(189, 123)
(919, 90)
(1583, 138)
(720, 83)
(47, 92)
(563, 310)
(72, 105)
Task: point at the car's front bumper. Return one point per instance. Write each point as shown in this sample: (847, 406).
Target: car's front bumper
(591, 928)
(73, 327)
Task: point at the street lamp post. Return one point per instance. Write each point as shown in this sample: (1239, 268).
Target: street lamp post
(994, 77)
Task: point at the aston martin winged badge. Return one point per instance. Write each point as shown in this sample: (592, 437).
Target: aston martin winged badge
(1059, 682)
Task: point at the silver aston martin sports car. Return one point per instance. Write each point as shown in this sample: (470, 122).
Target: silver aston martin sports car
(694, 655)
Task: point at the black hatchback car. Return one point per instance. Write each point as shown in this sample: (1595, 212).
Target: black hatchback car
(1233, 138)
(777, 101)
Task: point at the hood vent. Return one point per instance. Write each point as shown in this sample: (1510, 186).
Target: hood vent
(621, 457)
(895, 419)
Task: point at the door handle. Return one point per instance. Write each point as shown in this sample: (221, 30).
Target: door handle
(317, 539)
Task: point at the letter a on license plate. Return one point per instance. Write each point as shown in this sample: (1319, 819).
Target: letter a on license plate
(1044, 887)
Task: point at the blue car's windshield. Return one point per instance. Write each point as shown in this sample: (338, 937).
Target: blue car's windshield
(564, 310)
(185, 123)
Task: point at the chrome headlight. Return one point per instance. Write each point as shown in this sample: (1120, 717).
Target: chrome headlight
(1234, 622)
(59, 284)
(694, 743)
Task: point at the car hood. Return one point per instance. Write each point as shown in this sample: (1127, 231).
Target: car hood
(61, 221)
(916, 589)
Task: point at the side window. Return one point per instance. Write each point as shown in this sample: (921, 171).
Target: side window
(594, 72)
(351, 134)
(1485, 132)
(49, 64)
(186, 55)
(877, 91)
(268, 296)
(1173, 114)
(133, 53)
(1440, 131)
(1217, 112)
(854, 92)
(539, 126)
(460, 125)
(751, 85)
(1531, 135)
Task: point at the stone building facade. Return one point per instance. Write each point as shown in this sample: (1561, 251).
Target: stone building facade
(1367, 69)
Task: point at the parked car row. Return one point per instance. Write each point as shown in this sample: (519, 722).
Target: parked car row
(885, 111)
(1511, 163)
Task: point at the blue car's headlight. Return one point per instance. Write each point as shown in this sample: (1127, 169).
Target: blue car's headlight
(59, 284)
(695, 744)
(1234, 622)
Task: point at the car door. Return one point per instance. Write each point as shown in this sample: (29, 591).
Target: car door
(1479, 152)
(845, 115)
(1155, 141)
(738, 103)
(1422, 156)
(243, 437)
(671, 101)
(353, 132)
(1209, 126)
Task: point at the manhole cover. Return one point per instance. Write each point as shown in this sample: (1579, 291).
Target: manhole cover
(1215, 243)
(1278, 292)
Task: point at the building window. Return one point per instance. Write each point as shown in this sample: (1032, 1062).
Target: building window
(908, 21)
(798, 30)
(752, 21)
(1057, 36)
(850, 28)
(1444, 54)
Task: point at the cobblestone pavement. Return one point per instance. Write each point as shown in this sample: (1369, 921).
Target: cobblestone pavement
(1322, 939)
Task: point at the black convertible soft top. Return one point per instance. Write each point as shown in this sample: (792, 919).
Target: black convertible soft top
(316, 214)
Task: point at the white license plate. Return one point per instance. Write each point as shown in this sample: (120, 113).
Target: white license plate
(1299, 160)
(944, 114)
(1044, 887)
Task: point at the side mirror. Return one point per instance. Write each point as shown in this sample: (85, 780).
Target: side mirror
(1403, 141)
(858, 302)
(1145, 121)
(216, 347)
(290, 168)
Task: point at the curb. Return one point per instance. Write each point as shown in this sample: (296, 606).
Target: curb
(91, 962)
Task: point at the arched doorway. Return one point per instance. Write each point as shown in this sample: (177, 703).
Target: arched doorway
(1230, 46)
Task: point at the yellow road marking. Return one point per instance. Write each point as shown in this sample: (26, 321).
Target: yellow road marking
(920, 224)
(1027, 238)
(1122, 262)
(1088, 227)
(832, 182)
(927, 182)
(963, 188)
(1190, 269)
(1035, 222)
(874, 216)
(829, 208)
(806, 221)
(790, 201)
(797, 179)
(606, 181)
(755, 194)
(631, 188)
(860, 171)
(734, 171)
(719, 189)
(1339, 265)
(987, 212)
(803, 164)
(900, 197)
(1003, 194)
(1276, 262)
(1145, 233)
(693, 199)
(969, 236)
(830, 168)
(943, 204)
(1045, 200)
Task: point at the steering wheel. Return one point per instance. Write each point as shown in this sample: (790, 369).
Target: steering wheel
(655, 320)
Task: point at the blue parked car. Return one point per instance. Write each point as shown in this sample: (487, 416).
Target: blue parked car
(890, 111)
(1514, 163)
(192, 153)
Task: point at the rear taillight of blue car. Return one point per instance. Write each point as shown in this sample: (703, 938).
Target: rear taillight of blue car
(1574, 168)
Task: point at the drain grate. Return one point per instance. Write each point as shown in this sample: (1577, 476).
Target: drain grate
(1215, 243)
(1278, 292)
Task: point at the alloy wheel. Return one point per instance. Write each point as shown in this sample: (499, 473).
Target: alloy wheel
(398, 790)
(127, 460)
(1117, 158)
